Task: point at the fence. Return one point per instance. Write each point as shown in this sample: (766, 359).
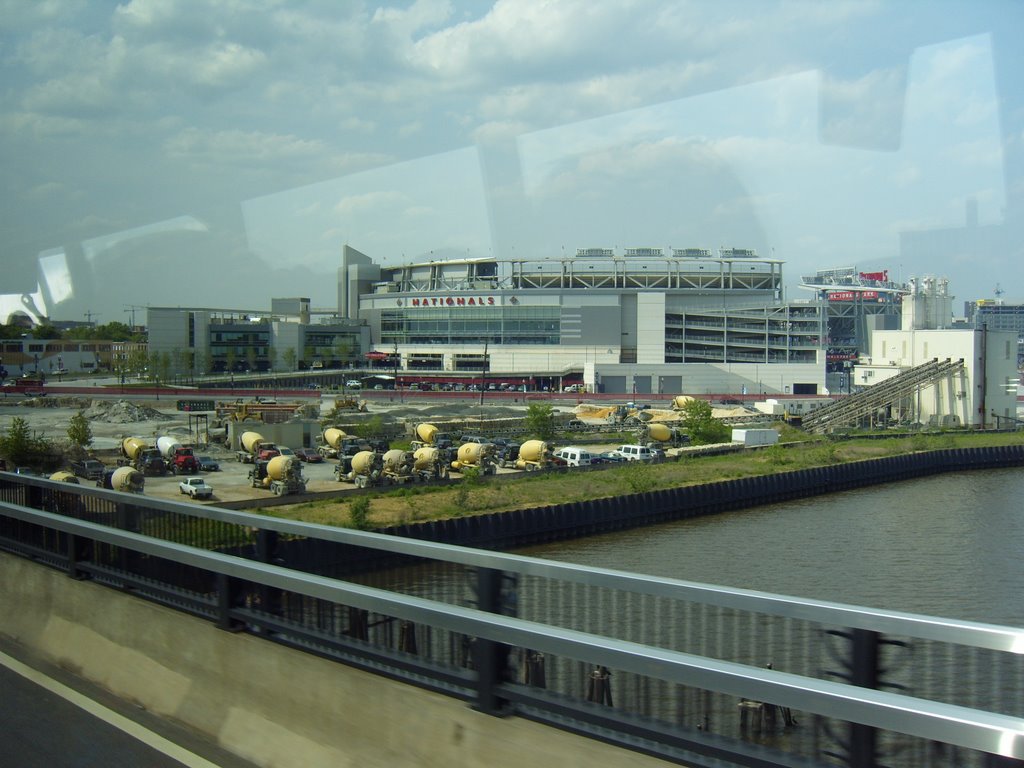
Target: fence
(689, 672)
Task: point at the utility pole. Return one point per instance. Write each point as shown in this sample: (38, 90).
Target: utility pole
(89, 315)
(483, 374)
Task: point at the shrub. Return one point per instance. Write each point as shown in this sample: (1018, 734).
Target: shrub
(359, 513)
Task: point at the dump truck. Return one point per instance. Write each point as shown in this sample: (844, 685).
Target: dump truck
(180, 458)
(139, 454)
(534, 455)
(658, 435)
(363, 469)
(281, 475)
(476, 456)
(126, 479)
(255, 448)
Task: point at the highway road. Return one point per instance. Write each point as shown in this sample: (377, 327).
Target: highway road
(51, 719)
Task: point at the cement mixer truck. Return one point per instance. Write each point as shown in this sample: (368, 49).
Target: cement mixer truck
(476, 457)
(430, 463)
(126, 479)
(281, 475)
(142, 456)
(255, 448)
(658, 435)
(534, 455)
(363, 469)
(181, 459)
(427, 435)
(332, 442)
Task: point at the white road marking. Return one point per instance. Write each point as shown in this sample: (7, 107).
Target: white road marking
(109, 716)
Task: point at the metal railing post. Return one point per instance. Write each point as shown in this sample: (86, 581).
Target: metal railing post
(489, 657)
(864, 672)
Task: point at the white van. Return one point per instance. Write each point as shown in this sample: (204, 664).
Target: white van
(636, 453)
(574, 457)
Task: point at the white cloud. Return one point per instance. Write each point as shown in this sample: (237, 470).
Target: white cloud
(370, 201)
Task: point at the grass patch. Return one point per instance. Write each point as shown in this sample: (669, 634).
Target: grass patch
(481, 495)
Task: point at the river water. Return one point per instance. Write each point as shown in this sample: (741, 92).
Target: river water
(950, 545)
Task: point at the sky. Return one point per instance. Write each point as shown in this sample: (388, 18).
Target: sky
(220, 152)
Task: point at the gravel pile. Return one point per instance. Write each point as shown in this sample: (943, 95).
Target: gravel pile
(121, 412)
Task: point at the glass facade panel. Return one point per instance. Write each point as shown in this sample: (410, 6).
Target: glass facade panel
(497, 325)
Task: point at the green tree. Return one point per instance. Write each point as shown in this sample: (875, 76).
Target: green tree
(290, 358)
(20, 447)
(230, 359)
(79, 431)
(45, 331)
(342, 349)
(540, 421)
(272, 358)
(701, 425)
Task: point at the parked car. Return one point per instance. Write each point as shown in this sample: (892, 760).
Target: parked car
(195, 487)
(90, 469)
(354, 384)
(636, 453)
(608, 457)
(207, 464)
(308, 455)
(573, 456)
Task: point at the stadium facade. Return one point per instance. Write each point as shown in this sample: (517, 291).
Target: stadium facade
(636, 322)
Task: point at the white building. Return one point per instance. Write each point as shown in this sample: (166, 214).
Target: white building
(984, 389)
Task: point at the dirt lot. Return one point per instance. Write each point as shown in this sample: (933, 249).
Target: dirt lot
(112, 420)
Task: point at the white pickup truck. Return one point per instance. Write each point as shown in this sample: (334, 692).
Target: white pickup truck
(196, 487)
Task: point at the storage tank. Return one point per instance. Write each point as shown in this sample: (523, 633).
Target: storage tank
(127, 479)
(426, 433)
(167, 445)
(362, 462)
(333, 437)
(251, 441)
(131, 447)
(425, 457)
(64, 477)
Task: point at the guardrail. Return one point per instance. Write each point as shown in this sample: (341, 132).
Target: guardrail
(671, 668)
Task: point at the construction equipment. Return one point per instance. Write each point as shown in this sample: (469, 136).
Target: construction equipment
(255, 448)
(428, 435)
(126, 479)
(181, 459)
(282, 475)
(476, 456)
(331, 442)
(363, 469)
(140, 455)
(397, 468)
(430, 463)
(878, 403)
(659, 435)
(64, 476)
(534, 455)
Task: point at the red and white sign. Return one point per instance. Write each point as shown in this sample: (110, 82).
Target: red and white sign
(851, 295)
(881, 277)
